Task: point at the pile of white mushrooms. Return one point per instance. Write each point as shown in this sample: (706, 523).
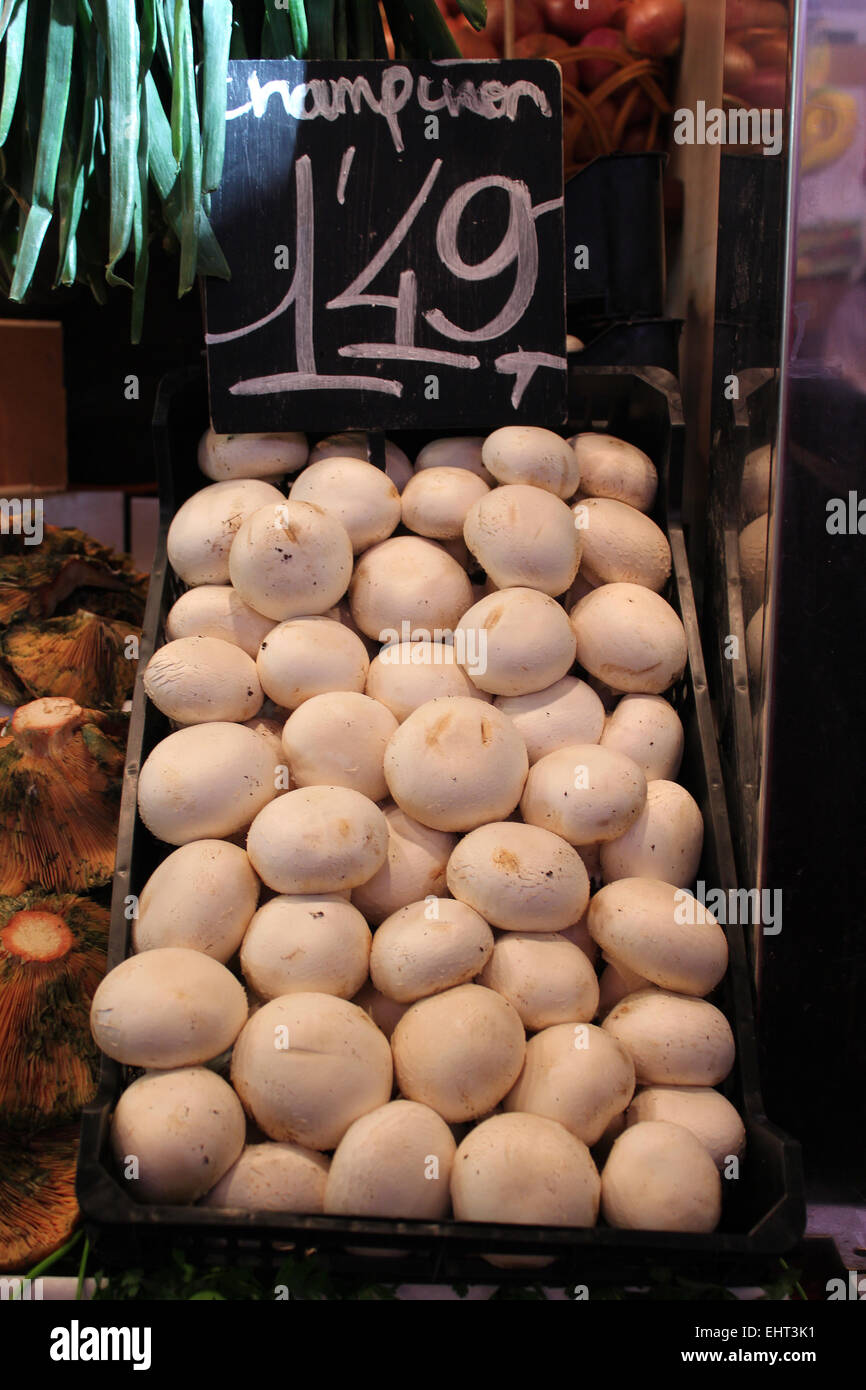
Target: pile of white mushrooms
(418, 715)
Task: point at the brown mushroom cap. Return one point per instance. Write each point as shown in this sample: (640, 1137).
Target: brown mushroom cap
(38, 1210)
(52, 957)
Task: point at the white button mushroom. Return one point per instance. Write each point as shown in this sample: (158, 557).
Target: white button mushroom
(578, 933)
(216, 610)
(184, 1128)
(584, 793)
(591, 856)
(753, 543)
(414, 867)
(610, 467)
(428, 947)
(202, 896)
(526, 454)
(545, 977)
(579, 589)
(170, 1007)
(504, 530)
(408, 585)
(659, 1177)
(755, 642)
(707, 1113)
(273, 1177)
(196, 680)
(436, 501)
(675, 1040)
(310, 656)
(222, 456)
(576, 1074)
(307, 943)
(621, 544)
(527, 1170)
(755, 483)
(648, 927)
(395, 1161)
(291, 560)
(318, 840)
(459, 1052)
(385, 1013)
(515, 642)
(271, 730)
(353, 444)
(569, 711)
(665, 841)
(459, 451)
(455, 764)
(519, 877)
(201, 534)
(407, 674)
(360, 496)
(307, 1065)
(647, 729)
(205, 782)
(617, 981)
(630, 638)
(339, 740)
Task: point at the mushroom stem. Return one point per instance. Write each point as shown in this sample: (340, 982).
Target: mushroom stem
(44, 727)
(34, 935)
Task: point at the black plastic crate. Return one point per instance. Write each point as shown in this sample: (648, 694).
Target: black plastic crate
(606, 203)
(764, 1212)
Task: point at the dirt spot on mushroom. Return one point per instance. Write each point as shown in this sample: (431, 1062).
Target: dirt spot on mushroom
(487, 732)
(504, 859)
(436, 730)
(344, 828)
(492, 618)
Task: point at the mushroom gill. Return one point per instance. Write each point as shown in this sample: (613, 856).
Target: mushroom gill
(38, 1210)
(52, 957)
(83, 656)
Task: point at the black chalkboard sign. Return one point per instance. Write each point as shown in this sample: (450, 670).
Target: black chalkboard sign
(395, 235)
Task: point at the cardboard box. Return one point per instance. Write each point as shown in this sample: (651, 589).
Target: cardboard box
(32, 409)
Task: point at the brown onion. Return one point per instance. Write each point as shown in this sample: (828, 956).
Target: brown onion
(655, 27)
(566, 19)
(739, 67)
(593, 71)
